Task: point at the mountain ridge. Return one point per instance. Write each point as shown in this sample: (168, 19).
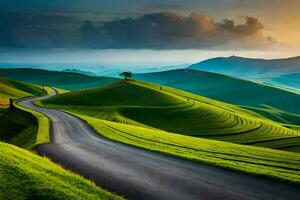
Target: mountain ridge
(249, 67)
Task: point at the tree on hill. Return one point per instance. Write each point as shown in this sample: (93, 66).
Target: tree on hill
(126, 75)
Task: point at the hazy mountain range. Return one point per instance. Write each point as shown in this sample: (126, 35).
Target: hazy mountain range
(283, 72)
(239, 66)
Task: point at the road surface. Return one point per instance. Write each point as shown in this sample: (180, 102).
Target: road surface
(139, 174)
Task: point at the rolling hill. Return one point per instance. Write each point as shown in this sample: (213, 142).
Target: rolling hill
(178, 123)
(289, 80)
(63, 80)
(16, 89)
(272, 102)
(239, 66)
(162, 108)
(15, 127)
(25, 175)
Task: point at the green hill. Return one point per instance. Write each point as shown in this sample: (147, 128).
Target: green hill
(168, 109)
(165, 124)
(24, 175)
(274, 103)
(17, 129)
(117, 94)
(64, 80)
(287, 80)
(16, 89)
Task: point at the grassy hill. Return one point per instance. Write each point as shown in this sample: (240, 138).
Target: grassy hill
(16, 89)
(274, 103)
(166, 123)
(119, 93)
(17, 129)
(63, 80)
(287, 80)
(155, 107)
(25, 175)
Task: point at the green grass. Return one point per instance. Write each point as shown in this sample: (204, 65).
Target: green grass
(61, 91)
(17, 129)
(42, 136)
(16, 89)
(165, 124)
(291, 80)
(24, 175)
(175, 111)
(125, 94)
(63, 80)
(264, 162)
(20, 130)
(232, 90)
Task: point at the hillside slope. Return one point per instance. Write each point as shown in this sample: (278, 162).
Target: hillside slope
(18, 130)
(274, 103)
(24, 175)
(289, 80)
(239, 66)
(64, 80)
(162, 108)
(16, 89)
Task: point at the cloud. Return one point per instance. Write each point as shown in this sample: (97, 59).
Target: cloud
(251, 27)
(169, 30)
(165, 30)
(36, 28)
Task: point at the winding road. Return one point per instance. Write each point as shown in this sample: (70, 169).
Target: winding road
(139, 174)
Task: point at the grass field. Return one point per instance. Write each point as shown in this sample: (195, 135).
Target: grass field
(63, 80)
(24, 175)
(277, 104)
(16, 89)
(287, 80)
(42, 135)
(148, 105)
(15, 128)
(168, 118)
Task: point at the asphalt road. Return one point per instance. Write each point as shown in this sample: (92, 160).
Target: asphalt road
(139, 174)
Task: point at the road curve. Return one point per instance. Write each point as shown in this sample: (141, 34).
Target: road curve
(139, 174)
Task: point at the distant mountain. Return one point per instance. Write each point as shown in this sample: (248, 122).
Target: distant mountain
(249, 67)
(64, 80)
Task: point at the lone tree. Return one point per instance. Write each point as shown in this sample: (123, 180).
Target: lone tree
(126, 75)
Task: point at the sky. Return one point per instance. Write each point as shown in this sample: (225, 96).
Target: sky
(193, 29)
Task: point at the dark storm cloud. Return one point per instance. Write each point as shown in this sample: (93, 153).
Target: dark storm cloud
(51, 28)
(174, 31)
(35, 28)
(251, 27)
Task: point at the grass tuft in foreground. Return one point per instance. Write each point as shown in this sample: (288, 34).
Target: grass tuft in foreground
(24, 175)
(17, 129)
